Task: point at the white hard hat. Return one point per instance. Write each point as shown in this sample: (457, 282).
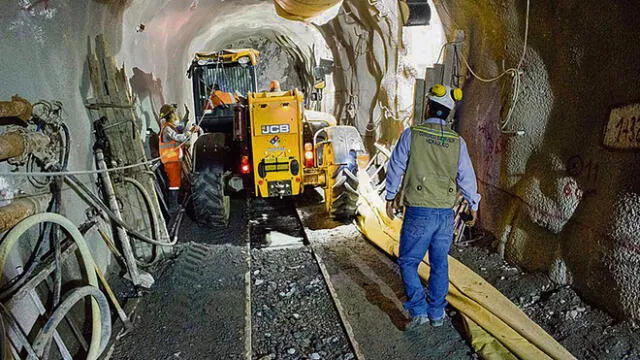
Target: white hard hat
(445, 95)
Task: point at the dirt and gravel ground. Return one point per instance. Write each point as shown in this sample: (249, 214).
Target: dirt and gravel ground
(587, 332)
(369, 287)
(370, 290)
(293, 316)
(197, 310)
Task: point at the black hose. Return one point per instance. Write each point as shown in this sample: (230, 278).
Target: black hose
(3, 340)
(42, 342)
(67, 145)
(74, 182)
(55, 239)
(17, 282)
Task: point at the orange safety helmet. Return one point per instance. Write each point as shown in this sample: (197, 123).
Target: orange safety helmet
(274, 85)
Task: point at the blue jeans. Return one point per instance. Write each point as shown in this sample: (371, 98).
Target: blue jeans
(426, 229)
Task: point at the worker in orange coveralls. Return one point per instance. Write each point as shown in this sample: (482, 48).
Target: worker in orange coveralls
(219, 98)
(274, 86)
(171, 139)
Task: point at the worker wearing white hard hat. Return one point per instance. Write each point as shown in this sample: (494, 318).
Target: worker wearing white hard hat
(434, 162)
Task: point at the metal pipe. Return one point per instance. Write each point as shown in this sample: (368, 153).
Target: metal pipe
(17, 107)
(22, 208)
(15, 144)
(11, 145)
(125, 242)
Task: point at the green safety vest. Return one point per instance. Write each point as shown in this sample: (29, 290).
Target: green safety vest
(430, 178)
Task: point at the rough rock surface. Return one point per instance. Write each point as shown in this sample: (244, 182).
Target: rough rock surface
(586, 331)
(293, 316)
(544, 211)
(195, 310)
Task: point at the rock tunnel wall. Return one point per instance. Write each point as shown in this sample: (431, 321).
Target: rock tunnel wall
(557, 198)
(45, 49)
(44, 57)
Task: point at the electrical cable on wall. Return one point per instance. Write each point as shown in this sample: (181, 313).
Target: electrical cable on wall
(515, 72)
(97, 171)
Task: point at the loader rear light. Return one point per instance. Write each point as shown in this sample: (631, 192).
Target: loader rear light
(245, 168)
(308, 155)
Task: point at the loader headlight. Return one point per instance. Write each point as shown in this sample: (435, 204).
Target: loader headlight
(244, 60)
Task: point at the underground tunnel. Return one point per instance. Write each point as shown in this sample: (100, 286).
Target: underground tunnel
(284, 119)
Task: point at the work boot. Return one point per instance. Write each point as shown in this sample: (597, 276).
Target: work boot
(417, 322)
(437, 322)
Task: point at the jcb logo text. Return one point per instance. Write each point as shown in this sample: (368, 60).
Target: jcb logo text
(275, 129)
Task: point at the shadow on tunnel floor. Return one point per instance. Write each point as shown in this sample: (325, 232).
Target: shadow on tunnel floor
(370, 289)
(234, 234)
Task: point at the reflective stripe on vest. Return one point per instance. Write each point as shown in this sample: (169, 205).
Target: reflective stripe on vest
(170, 151)
(430, 179)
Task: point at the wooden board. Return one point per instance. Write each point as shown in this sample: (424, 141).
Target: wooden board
(623, 128)
(113, 101)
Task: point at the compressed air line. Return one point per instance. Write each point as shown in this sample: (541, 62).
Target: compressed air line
(125, 243)
(14, 235)
(147, 199)
(153, 218)
(43, 339)
(95, 201)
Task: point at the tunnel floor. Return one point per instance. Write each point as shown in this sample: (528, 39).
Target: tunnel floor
(200, 308)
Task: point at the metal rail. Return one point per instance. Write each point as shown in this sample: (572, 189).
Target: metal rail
(344, 322)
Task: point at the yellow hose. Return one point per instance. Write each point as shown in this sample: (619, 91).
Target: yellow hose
(14, 235)
(303, 10)
(499, 329)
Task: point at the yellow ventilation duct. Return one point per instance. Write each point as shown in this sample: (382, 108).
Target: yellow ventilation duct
(303, 10)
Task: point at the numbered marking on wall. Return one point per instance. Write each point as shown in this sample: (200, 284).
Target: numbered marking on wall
(623, 129)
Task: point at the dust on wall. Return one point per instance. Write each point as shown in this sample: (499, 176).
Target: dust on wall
(556, 198)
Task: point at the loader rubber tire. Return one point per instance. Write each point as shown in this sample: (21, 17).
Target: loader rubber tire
(211, 206)
(345, 192)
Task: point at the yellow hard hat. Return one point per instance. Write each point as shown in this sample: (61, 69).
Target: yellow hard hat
(166, 110)
(445, 95)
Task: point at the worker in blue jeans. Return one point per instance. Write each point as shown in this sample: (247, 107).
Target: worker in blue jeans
(433, 163)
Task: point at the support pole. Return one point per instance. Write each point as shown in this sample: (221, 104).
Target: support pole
(125, 242)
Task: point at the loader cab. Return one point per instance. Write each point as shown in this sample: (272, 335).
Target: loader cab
(233, 72)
